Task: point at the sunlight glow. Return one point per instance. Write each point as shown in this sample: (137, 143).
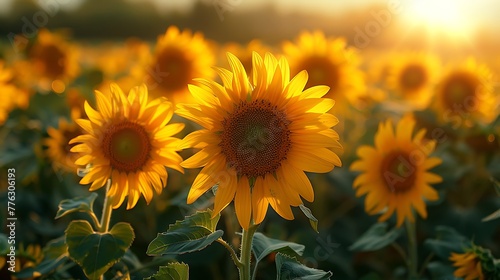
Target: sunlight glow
(444, 15)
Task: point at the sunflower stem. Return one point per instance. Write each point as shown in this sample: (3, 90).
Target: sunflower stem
(234, 257)
(106, 211)
(246, 251)
(412, 250)
(95, 220)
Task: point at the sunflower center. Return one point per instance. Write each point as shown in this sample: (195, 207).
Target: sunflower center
(255, 138)
(458, 88)
(52, 60)
(174, 69)
(127, 146)
(321, 72)
(398, 172)
(412, 77)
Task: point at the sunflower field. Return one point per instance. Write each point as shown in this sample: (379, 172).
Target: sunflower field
(226, 139)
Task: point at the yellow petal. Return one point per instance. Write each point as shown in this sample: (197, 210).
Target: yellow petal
(225, 192)
(432, 178)
(206, 179)
(240, 83)
(297, 180)
(103, 105)
(259, 201)
(201, 158)
(315, 92)
(199, 139)
(275, 197)
(243, 203)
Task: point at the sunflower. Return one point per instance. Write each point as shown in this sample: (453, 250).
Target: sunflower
(58, 147)
(465, 93)
(54, 61)
(179, 58)
(329, 62)
(395, 174)
(128, 141)
(259, 137)
(412, 76)
(468, 266)
(12, 96)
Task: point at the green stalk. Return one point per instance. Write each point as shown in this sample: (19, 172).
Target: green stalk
(412, 250)
(246, 251)
(106, 211)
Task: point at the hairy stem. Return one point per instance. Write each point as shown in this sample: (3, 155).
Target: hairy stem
(246, 251)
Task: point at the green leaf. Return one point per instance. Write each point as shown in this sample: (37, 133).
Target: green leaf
(289, 268)
(173, 271)
(439, 270)
(375, 238)
(131, 260)
(96, 252)
(447, 241)
(55, 254)
(263, 246)
(79, 204)
(493, 216)
(312, 220)
(194, 233)
(55, 248)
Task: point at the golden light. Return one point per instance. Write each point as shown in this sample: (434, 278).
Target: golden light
(58, 86)
(445, 15)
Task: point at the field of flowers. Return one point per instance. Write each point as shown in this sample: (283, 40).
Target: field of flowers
(189, 158)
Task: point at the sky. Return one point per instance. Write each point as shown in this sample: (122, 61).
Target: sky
(452, 14)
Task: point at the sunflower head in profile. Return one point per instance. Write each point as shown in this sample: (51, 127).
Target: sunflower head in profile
(58, 147)
(328, 61)
(411, 78)
(395, 173)
(12, 96)
(259, 136)
(468, 266)
(475, 262)
(179, 57)
(54, 61)
(127, 139)
(465, 94)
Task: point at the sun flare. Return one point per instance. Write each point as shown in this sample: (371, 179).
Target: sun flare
(446, 15)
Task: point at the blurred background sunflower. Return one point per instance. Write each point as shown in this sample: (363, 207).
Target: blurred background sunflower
(411, 78)
(395, 173)
(58, 147)
(179, 57)
(52, 61)
(328, 61)
(13, 96)
(436, 60)
(465, 93)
